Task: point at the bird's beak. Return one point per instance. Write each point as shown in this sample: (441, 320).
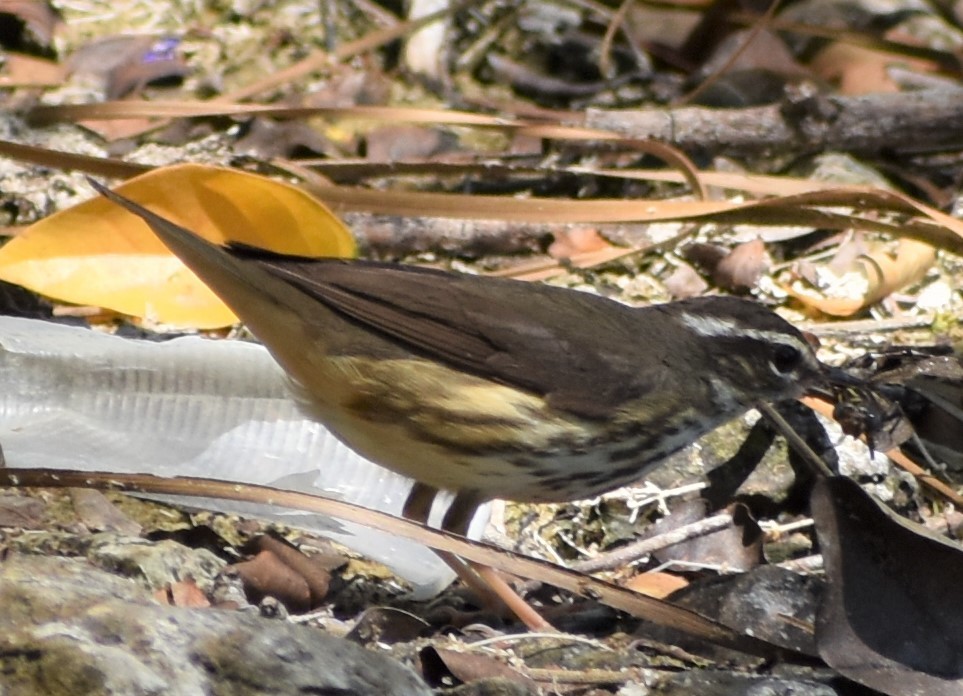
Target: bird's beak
(831, 381)
(841, 378)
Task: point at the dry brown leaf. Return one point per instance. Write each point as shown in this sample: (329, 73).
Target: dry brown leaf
(128, 62)
(656, 584)
(862, 70)
(20, 70)
(580, 240)
(184, 593)
(96, 512)
(317, 578)
(57, 159)
(743, 266)
(811, 208)
(266, 575)
(685, 282)
(466, 667)
(880, 273)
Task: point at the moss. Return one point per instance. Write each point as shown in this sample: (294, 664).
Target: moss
(54, 669)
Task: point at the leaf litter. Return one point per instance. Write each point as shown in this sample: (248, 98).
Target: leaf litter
(600, 186)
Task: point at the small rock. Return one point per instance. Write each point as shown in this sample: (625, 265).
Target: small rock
(68, 627)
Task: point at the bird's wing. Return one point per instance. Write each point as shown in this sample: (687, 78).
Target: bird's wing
(580, 351)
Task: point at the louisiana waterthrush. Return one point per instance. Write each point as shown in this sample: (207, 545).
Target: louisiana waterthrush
(493, 387)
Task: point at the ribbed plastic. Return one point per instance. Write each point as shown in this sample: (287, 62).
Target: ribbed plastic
(74, 398)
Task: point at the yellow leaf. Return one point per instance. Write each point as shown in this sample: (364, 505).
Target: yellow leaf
(883, 272)
(97, 253)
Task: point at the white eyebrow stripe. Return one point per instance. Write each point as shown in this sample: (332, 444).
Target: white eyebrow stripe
(713, 326)
(709, 326)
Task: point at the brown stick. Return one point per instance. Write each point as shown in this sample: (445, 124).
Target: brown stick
(906, 122)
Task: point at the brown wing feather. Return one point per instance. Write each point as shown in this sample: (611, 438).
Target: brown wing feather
(533, 337)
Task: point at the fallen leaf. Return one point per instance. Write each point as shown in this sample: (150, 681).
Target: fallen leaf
(656, 584)
(98, 254)
(685, 282)
(184, 593)
(892, 614)
(864, 70)
(269, 139)
(268, 576)
(317, 577)
(399, 142)
(581, 240)
(441, 665)
(735, 269)
(768, 602)
(127, 63)
(871, 277)
(98, 513)
(23, 70)
(743, 266)
(387, 625)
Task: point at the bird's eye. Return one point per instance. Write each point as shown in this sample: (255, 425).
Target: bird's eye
(785, 358)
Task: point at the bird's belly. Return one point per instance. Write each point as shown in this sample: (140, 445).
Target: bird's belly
(458, 432)
(602, 466)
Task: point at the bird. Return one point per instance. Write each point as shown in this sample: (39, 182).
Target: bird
(493, 387)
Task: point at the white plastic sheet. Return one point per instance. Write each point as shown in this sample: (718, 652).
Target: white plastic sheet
(73, 398)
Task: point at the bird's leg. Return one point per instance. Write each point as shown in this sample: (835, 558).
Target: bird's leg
(484, 581)
(457, 521)
(417, 508)
(417, 505)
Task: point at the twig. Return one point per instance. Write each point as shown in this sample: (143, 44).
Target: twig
(632, 552)
(795, 442)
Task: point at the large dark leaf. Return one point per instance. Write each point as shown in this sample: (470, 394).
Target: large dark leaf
(892, 614)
